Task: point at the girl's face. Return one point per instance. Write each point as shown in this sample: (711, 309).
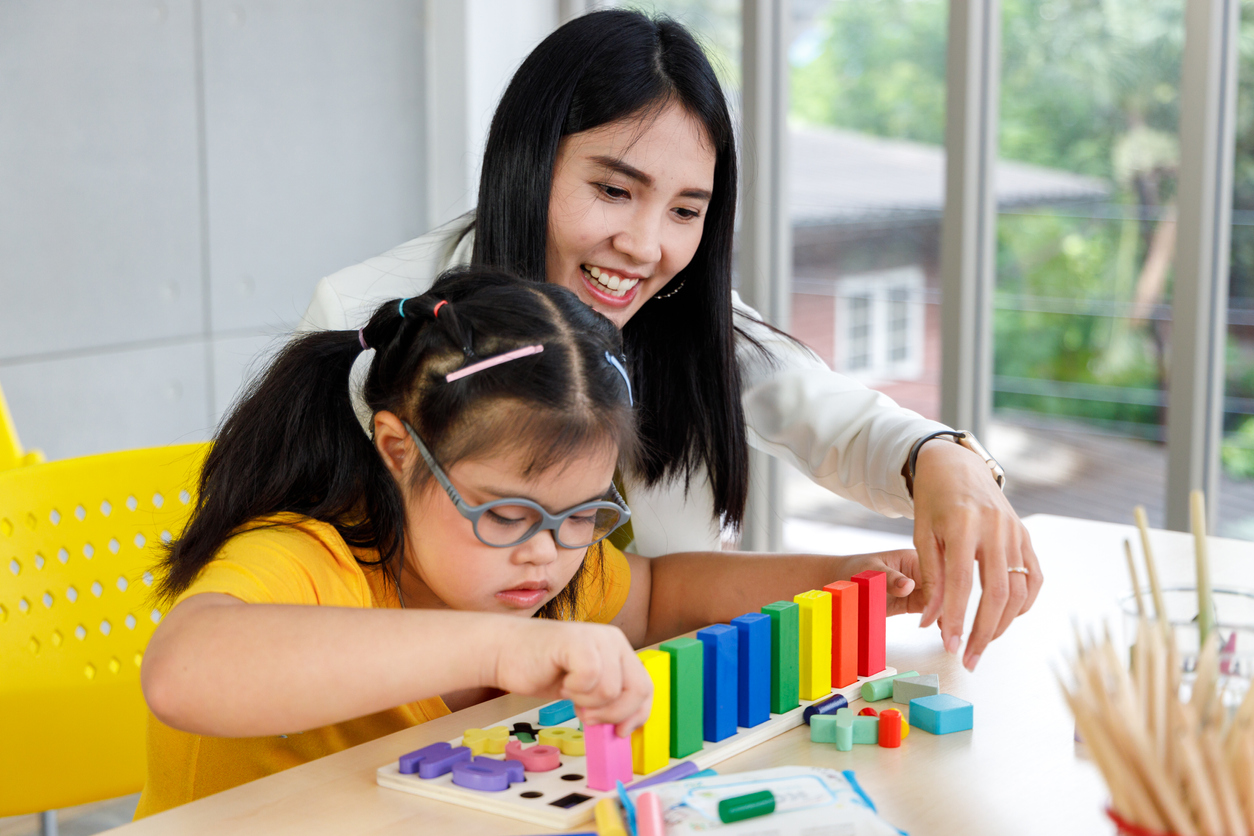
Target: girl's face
(448, 567)
(627, 208)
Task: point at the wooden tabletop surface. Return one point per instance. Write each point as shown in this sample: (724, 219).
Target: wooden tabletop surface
(1017, 772)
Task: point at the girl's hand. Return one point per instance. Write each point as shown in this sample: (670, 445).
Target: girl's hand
(961, 517)
(902, 570)
(592, 665)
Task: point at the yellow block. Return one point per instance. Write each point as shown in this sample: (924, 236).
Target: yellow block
(905, 727)
(491, 740)
(569, 741)
(816, 643)
(651, 743)
(609, 820)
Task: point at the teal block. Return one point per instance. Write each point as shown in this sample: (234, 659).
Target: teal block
(844, 729)
(687, 695)
(823, 731)
(866, 730)
(941, 714)
(882, 688)
(785, 655)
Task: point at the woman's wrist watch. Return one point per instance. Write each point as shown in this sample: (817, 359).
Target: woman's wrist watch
(962, 438)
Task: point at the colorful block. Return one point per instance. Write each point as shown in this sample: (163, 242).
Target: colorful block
(651, 743)
(649, 821)
(844, 729)
(608, 758)
(941, 714)
(540, 758)
(905, 727)
(557, 713)
(753, 636)
(882, 688)
(872, 614)
(569, 741)
(844, 632)
(687, 695)
(491, 740)
(815, 633)
(823, 729)
(722, 651)
(866, 730)
(906, 688)
(868, 712)
(890, 728)
(828, 706)
(433, 761)
(487, 774)
(609, 820)
(785, 655)
(749, 806)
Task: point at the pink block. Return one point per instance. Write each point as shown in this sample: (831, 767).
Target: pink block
(649, 821)
(608, 757)
(536, 759)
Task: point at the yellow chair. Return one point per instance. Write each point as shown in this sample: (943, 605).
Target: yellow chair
(11, 452)
(78, 541)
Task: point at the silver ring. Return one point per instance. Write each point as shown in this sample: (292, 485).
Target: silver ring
(1022, 570)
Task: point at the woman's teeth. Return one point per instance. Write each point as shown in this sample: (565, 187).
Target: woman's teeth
(613, 285)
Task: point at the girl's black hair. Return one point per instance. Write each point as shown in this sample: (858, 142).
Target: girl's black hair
(293, 442)
(599, 68)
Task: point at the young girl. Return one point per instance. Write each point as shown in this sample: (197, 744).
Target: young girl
(610, 169)
(334, 586)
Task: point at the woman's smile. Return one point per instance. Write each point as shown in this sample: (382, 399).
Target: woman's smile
(609, 287)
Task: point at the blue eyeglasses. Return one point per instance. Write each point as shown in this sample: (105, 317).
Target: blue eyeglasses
(513, 520)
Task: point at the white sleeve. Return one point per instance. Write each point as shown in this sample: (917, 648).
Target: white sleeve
(347, 299)
(850, 439)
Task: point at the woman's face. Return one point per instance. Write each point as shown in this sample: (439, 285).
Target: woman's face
(627, 208)
(449, 567)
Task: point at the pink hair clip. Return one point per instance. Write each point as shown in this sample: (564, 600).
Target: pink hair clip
(525, 351)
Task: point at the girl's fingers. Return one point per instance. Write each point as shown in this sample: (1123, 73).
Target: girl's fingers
(959, 574)
(995, 581)
(931, 573)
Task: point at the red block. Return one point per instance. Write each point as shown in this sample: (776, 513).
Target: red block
(890, 728)
(844, 632)
(872, 614)
(868, 712)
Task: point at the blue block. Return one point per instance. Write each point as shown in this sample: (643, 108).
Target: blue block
(828, 706)
(557, 713)
(432, 761)
(722, 652)
(941, 714)
(754, 673)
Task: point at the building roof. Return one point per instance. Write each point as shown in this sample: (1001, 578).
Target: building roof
(840, 177)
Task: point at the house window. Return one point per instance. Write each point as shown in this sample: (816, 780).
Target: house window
(879, 324)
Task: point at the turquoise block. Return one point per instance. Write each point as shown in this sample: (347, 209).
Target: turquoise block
(823, 729)
(844, 738)
(557, 713)
(941, 714)
(866, 730)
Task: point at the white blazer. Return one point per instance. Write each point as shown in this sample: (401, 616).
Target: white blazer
(848, 438)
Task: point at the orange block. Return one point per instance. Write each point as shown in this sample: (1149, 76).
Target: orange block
(844, 632)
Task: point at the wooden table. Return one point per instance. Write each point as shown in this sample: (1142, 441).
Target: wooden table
(1018, 772)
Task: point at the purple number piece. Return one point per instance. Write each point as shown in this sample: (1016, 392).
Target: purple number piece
(487, 774)
(434, 760)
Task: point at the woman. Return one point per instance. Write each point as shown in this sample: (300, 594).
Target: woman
(610, 169)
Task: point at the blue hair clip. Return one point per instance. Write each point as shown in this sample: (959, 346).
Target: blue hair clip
(401, 306)
(616, 364)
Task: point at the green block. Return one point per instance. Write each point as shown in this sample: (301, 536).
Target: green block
(687, 695)
(785, 656)
(882, 688)
(825, 730)
(865, 729)
(844, 738)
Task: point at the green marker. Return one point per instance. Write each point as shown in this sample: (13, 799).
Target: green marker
(785, 655)
(746, 806)
(687, 695)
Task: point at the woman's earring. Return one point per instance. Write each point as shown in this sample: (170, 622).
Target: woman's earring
(668, 294)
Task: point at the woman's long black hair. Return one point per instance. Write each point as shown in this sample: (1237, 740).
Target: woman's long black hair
(294, 444)
(599, 68)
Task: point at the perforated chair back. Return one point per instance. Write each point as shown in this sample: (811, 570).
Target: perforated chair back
(78, 542)
(11, 452)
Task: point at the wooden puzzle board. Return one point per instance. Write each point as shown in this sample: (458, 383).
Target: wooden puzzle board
(534, 800)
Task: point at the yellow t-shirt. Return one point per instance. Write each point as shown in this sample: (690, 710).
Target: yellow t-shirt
(303, 561)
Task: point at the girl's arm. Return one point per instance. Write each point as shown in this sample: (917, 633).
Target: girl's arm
(679, 593)
(222, 667)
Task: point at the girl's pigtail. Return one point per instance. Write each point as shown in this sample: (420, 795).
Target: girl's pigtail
(291, 444)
